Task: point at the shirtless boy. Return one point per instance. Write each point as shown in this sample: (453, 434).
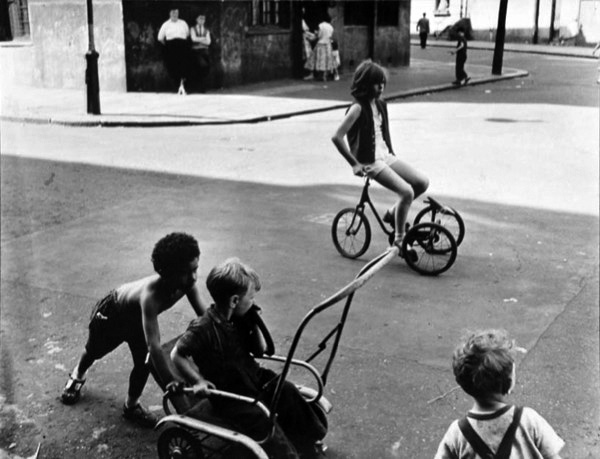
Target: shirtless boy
(129, 314)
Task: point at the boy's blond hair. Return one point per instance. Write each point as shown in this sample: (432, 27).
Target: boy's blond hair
(232, 277)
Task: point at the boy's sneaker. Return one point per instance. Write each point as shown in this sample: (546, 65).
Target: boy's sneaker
(140, 415)
(72, 391)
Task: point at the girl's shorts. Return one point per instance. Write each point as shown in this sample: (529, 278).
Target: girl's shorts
(373, 169)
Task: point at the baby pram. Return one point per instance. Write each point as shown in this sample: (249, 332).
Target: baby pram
(206, 435)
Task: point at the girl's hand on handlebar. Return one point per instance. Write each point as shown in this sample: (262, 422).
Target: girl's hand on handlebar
(358, 170)
(203, 388)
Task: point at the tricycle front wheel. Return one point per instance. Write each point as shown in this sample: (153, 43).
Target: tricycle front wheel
(351, 233)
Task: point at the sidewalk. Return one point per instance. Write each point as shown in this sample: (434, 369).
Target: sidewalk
(243, 104)
(555, 50)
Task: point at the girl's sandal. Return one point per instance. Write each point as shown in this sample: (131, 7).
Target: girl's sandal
(72, 391)
(409, 253)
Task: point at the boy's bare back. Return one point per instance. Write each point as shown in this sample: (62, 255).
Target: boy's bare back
(149, 290)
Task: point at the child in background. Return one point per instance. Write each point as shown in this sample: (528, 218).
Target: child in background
(335, 51)
(484, 367)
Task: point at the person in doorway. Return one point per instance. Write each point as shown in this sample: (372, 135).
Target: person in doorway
(174, 35)
(423, 29)
(308, 39)
(321, 61)
(461, 57)
(129, 314)
(200, 36)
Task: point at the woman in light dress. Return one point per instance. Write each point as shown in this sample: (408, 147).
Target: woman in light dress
(321, 60)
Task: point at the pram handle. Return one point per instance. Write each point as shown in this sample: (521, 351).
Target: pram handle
(301, 363)
(365, 274)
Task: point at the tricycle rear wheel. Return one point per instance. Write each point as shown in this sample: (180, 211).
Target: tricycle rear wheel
(435, 248)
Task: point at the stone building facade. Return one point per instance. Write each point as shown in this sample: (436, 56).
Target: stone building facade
(252, 40)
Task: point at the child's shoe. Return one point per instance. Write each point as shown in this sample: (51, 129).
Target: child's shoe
(140, 415)
(72, 391)
(408, 254)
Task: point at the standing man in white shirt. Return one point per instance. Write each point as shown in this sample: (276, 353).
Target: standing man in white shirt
(174, 35)
(200, 43)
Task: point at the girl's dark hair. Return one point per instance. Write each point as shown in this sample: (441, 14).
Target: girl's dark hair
(483, 363)
(366, 76)
(173, 252)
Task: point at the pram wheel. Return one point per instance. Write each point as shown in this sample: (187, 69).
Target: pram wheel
(177, 443)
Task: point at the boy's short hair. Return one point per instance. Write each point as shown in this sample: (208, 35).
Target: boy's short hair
(173, 252)
(483, 363)
(367, 75)
(232, 277)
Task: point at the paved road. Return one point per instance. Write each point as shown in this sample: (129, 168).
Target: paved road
(81, 209)
(556, 80)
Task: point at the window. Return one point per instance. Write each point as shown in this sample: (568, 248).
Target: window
(358, 13)
(442, 8)
(271, 13)
(15, 19)
(388, 13)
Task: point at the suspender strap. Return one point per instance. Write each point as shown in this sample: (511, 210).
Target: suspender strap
(481, 449)
(508, 439)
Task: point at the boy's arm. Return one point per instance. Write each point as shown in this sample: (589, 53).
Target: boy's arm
(339, 141)
(193, 296)
(189, 373)
(150, 308)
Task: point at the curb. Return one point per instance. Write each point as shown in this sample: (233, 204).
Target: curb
(260, 119)
(513, 50)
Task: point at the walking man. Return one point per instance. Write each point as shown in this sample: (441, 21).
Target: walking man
(423, 29)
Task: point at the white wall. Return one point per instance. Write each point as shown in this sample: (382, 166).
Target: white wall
(520, 16)
(59, 37)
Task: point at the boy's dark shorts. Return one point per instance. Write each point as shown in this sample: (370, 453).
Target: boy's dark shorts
(111, 326)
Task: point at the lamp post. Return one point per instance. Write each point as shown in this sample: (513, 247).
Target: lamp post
(91, 71)
(500, 34)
